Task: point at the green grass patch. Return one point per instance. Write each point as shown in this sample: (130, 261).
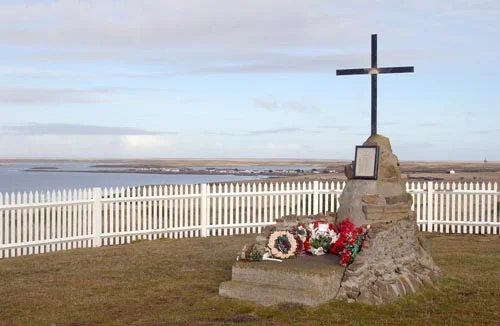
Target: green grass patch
(173, 282)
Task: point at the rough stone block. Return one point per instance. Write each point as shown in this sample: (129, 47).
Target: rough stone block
(388, 169)
(370, 199)
(403, 198)
(349, 171)
(391, 264)
(387, 212)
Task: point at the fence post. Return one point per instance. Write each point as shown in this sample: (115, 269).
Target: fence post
(97, 217)
(315, 197)
(430, 205)
(203, 213)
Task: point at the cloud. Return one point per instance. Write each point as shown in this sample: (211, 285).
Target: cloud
(429, 124)
(338, 127)
(63, 74)
(275, 131)
(208, 36)
(352, 129)
(296, 106)
(180, 62)
(486, 131)
(474, 9)
(301, 107)
(222, 133)
(37, 129)
(43, 96)
(225, 23)
(266, 104)
(389, 123)
(131, 23)
(184, 37)
(143, 141)
(31, 72)
(200, 37)
(265, 62)
(58, 96)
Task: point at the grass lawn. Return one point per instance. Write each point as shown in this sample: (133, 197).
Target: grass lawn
(169, 282)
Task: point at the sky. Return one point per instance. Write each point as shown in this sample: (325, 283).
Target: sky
(247, 79)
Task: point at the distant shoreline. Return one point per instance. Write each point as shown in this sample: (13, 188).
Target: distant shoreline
(411, 171)
(230, 161)
(191, 172)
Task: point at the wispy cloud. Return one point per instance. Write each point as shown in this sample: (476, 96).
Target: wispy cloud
(44, 96)
(338, 127)
(266, 104)
(213, 36)
(277, 63)
(222, 133)
(62, 74)
(296, 106)
(389, 123)
(129, 23)
(36, 129)
(486, 131)
(275, 131)
(429, 124)
(30, 72)
(263, 36)
(58, 96)
(301, 107)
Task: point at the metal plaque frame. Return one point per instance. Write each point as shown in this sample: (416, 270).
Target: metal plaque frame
(366, 162)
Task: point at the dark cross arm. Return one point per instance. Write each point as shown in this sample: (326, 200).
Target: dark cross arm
(373, 71)
(395, 70)
(362, 71)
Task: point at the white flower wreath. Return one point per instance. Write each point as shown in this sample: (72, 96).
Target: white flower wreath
(321, 237)
(324, 230)
(282, 244)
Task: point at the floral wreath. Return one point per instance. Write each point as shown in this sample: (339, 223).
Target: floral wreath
(302, 235)
(322, 236)
(350, 241)
(250, 253)
(282, 244)
(317, 238)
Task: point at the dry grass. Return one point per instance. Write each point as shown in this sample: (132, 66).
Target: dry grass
(176, 282)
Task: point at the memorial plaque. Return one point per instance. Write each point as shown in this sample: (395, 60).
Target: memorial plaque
(366, 162)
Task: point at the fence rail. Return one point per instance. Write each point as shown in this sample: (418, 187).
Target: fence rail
(50, 221)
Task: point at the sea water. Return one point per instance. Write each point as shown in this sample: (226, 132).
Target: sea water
(15, 178)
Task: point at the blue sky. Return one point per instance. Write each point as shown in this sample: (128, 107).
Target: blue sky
(246, 79)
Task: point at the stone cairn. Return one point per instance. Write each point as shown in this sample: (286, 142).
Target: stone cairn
(392, 262)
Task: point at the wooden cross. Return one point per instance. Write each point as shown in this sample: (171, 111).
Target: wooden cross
(374, 71)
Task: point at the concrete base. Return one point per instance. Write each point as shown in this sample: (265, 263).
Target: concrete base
(309, 280)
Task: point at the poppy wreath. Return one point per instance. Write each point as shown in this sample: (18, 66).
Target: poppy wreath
(282, 244)
(349, 242)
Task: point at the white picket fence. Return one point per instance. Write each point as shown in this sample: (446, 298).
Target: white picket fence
(50, 221)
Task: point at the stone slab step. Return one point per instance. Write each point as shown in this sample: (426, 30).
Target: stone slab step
(268, 295)
(309, 280)
(303, 272)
